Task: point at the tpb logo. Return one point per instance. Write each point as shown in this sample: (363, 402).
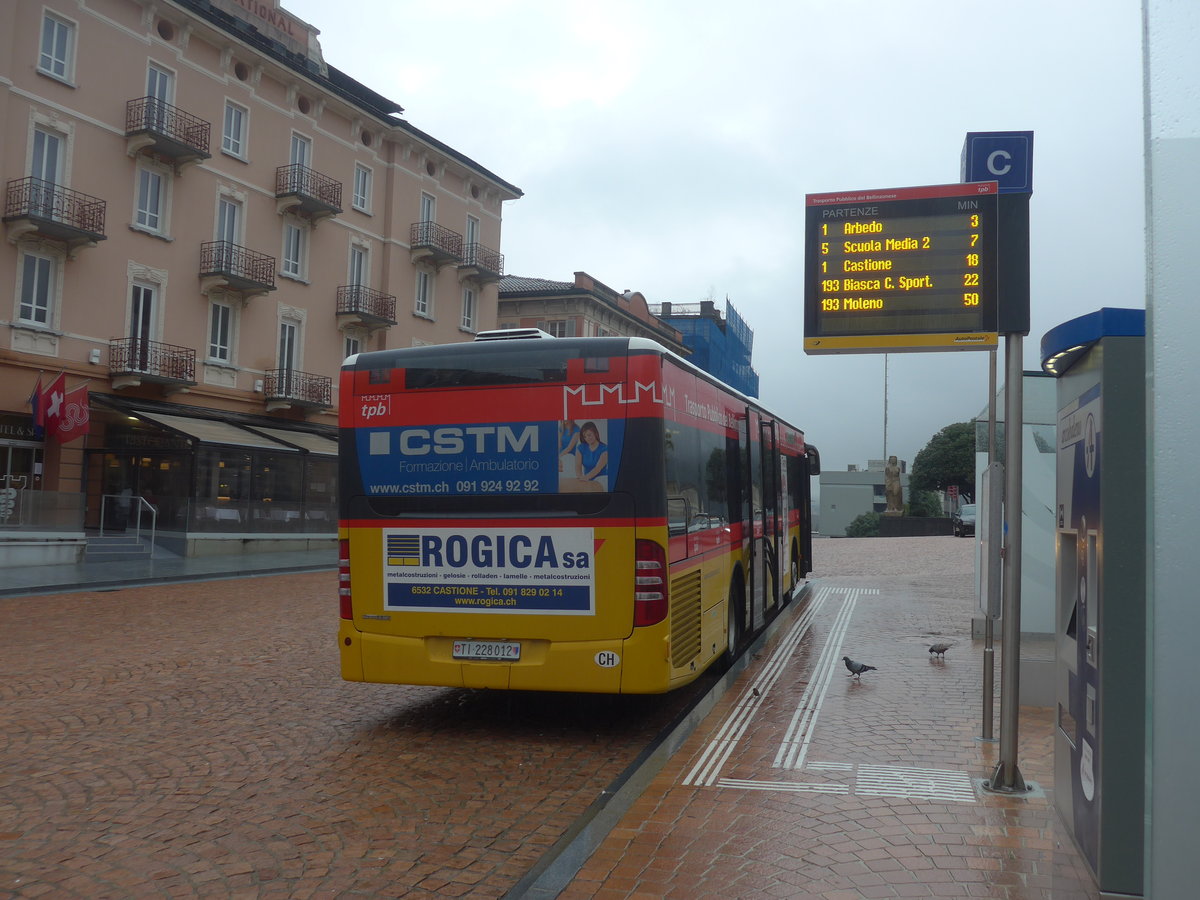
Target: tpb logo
(375, 405)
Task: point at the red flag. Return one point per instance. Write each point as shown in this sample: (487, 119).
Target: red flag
(75, 418)
(49, 409)
(39, 411)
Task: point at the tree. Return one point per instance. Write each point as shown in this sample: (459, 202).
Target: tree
(925, 504)
(948, 459)
(866, 525)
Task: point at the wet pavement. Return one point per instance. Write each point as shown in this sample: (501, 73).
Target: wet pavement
(193, 739)
(805, 781)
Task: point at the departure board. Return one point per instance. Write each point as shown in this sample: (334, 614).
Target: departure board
(901, 269)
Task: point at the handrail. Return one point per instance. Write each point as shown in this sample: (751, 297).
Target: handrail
(142, 503)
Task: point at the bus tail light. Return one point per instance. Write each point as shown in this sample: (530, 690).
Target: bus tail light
(347, 608)
(650, 593)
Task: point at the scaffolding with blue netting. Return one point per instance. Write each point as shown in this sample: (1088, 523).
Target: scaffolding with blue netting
(722, 347)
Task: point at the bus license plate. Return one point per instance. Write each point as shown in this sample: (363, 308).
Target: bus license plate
(504, 651)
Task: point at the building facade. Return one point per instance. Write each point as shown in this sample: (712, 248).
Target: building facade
(584, 307)
(203, 218)
(723, 346)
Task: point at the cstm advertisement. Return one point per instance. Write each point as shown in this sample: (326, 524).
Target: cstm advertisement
(501, 570)
(566, 456)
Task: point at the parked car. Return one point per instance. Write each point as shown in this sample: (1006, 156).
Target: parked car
(963, 520)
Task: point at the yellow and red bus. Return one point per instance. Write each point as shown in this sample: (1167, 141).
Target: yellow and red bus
(525, 512)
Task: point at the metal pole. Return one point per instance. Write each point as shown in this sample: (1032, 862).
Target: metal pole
(989, 650)
(885, 409)
(1007, 776)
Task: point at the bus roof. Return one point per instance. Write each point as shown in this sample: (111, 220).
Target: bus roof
(403, 357)
(582, 346)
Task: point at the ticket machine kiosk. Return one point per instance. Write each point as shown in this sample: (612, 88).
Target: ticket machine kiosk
(1100, 634)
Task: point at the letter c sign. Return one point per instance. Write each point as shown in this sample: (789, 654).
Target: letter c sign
(999, 162)
(1005, 157)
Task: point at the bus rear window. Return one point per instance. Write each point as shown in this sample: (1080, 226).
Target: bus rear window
(533, 366)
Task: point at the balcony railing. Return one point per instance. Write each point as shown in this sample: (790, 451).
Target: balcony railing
(487, 264)
(429, 240)
(300, 189)
(54, 211)
(166, 130)
(152, 361)
(237, 268)
(370, 306)
(298, 388)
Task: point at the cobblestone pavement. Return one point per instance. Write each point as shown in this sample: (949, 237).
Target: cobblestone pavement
(196, 740)
(805, 782)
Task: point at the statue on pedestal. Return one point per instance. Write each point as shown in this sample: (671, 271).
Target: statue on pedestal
(892, 489)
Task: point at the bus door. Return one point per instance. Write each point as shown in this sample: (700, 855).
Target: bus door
(762, 560)
(771, 547)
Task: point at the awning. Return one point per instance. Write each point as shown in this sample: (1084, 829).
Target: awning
(306, 440)
(210, 431)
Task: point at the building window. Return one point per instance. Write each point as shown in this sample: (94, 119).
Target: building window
(220, 332)
(160, 85)
(37, 289)
(558, 327)
(362, 188)
(468, 309)
(229, 220)
(295, 243)
(149, 211)
(352, 345)
(58, 47)
(233, 141)
(423, 299)
(289, 344)
(143, 312)
(47, 162)
(301, 150)
(360, 270)
(472, 230)
(427, 208)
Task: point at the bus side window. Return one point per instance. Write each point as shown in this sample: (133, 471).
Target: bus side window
(678, 515)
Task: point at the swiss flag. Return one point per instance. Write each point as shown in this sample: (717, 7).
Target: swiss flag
(49, 404)
(65, 412)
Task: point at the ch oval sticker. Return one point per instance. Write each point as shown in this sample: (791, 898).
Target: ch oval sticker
(607, 659)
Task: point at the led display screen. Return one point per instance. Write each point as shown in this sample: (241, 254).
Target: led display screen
(901, 269)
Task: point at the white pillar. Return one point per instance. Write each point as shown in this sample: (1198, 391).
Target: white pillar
(1173, 442)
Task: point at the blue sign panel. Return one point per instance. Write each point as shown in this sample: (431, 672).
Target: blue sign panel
(1005, 157)
(491, 458)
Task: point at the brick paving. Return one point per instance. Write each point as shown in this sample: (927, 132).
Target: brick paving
(196, 740)
(804, 782)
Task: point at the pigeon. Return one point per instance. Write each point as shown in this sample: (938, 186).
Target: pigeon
(940, 649)
(857, 668)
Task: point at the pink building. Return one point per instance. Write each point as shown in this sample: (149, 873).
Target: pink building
(203, 219)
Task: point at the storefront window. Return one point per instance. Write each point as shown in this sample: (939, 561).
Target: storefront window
(278, 491)
(223, 489)
(321, 506)
(183, 478)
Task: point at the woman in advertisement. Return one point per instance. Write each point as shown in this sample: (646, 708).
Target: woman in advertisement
(591, 460)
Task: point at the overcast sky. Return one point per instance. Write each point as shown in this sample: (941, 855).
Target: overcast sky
(666, 147)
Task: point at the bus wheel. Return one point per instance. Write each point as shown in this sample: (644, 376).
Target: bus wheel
(735, 607)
